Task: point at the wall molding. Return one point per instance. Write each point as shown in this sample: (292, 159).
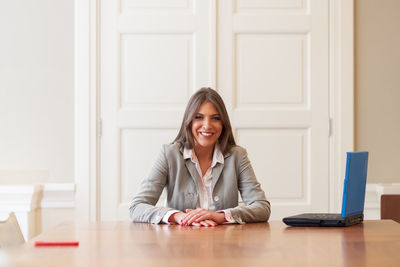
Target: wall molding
(58, 196)
(341, 94)
(23, 200)
(373, 194)
(29, 201)
(26, 198)
(19, 198)
(86, 109)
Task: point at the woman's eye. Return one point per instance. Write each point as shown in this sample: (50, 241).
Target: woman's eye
(198, 117)
(217, 118)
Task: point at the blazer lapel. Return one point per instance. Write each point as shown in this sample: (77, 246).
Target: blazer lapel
(192, 169)
(194, 174)
(216, 173)
(217, 170)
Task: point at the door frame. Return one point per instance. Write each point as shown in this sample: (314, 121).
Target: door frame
(87, 102)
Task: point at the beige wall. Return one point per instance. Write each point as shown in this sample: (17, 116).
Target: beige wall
(377, 86)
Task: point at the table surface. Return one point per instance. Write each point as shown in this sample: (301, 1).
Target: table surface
(371, 243)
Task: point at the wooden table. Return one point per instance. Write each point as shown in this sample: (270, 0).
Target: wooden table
(373, 243)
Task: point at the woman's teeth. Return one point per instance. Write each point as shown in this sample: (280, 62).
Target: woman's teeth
(206, 134)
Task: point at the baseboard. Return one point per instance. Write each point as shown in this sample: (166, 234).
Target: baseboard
(373, 194)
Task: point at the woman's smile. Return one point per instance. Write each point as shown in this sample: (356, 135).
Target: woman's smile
(206, 134)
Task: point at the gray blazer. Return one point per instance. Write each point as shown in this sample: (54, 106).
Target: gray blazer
(181, 180)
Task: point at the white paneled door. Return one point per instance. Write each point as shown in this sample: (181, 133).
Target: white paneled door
(267, 58)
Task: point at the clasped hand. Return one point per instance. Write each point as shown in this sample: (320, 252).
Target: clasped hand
(198, 217)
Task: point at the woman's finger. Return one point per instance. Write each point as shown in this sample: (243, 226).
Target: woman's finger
(206, 216)
(211, 223)
(204, 223)
(203, 217)
(187, 220)
(208, 223)
(184, 219)
(195, 216)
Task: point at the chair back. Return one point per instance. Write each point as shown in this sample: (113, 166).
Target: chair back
(10, 233)
(390, 207)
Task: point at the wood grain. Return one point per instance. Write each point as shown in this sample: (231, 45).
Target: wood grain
(371, 243)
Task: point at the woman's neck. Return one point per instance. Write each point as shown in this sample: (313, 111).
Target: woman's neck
(205, 153)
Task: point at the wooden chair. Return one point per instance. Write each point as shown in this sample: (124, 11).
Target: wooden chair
(390, 207)
(10, 233)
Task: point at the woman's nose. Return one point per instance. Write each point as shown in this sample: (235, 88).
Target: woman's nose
(206, 123)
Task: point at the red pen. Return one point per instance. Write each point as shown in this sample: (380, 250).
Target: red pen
(55, 243)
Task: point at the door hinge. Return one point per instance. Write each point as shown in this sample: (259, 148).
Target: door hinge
(99, 127)
(330, 127)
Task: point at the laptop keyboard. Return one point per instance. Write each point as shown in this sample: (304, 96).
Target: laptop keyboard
(328, 216)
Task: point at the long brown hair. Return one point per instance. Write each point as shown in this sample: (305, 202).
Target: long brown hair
(185, 136)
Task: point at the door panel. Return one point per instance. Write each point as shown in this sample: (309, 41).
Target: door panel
(269, 61)
(273, 74)
(154, 55)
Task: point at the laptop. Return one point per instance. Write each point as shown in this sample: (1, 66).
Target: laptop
(353, 197)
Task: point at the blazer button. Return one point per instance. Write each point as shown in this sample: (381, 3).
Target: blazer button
(216, 198)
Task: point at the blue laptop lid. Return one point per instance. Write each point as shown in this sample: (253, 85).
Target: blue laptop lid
(355, 183)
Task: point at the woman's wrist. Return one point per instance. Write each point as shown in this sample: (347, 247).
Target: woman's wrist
(176, 217)
(220, 217)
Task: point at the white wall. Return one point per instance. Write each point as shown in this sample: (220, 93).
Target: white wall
(36, 90)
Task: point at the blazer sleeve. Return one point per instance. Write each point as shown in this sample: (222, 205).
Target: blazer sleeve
(142, 207)
(258, 208)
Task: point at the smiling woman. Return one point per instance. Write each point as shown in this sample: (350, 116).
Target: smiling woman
(203, 170)
(205, 100)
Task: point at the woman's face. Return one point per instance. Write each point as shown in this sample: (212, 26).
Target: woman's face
(206, 125)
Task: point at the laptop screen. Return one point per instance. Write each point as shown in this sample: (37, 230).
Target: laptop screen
(355, 183)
